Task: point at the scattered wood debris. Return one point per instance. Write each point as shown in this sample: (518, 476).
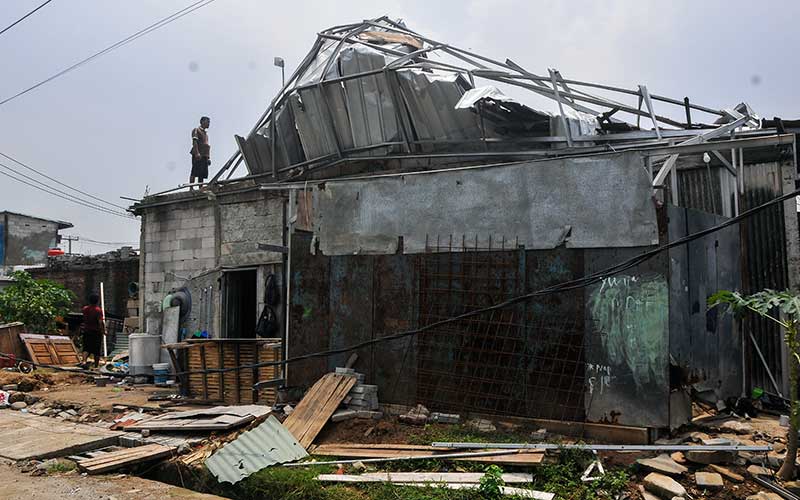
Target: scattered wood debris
(219, 418)
(105, 462)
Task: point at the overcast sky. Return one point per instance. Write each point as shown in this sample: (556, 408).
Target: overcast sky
(122, 122)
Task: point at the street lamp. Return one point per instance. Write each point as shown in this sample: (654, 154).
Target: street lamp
(278, 61)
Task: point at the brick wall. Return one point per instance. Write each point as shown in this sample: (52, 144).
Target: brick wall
(84, 277)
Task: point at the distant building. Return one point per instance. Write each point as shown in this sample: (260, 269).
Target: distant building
(25, 239)
(118, 270)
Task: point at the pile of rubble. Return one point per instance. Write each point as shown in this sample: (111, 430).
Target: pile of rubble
(696, 473)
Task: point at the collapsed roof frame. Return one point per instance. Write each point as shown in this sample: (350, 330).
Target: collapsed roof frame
(565, 92)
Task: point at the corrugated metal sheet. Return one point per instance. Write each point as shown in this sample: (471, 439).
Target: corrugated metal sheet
(764, 261)
(268, 444)
(694, 192)
(431, 98)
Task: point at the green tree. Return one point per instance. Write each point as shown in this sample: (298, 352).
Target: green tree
(34, 302)
(766, 304)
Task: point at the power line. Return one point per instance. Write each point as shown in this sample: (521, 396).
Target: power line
(26, 16)
(112, 243)
(158, 24)
(59, 195)
(57, 190)
(60, 182)
(557, 288)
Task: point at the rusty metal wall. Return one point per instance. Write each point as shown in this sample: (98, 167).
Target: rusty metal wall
(704, 345)
(547, 358)
(764, 265)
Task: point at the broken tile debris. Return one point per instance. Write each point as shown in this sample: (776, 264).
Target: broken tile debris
(709, 480)
(663, 464)
(663, 486)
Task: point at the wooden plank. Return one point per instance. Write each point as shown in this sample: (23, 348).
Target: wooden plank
(221, 364)
(317, 406)
(429, 477)
(203, 367)
(125, 458)
(237, 353)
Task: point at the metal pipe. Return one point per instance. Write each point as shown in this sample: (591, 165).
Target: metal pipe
(600, 447)
(410, 457)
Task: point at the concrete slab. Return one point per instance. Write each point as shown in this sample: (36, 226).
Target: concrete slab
(25, 436)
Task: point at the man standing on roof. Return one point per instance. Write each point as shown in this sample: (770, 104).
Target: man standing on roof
(201, 152)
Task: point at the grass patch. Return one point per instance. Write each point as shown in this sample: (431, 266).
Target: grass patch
(460, 433)
(299, 483)
(61, 467)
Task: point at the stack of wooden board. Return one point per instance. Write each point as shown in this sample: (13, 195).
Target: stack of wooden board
(100, 462)
(350, 450)
(233, 387)
(317, 406)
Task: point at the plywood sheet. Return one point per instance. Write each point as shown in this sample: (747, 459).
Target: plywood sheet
(317, 406)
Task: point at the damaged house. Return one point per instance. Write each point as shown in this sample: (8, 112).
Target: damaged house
(484, 254)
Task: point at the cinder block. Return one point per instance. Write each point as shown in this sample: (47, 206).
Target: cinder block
(191, 244)
(182, 254)
(377, 415)
(206, 232)
(209, 242)
(191, 223)
(343, 415)
(204, 253)
(183, 234)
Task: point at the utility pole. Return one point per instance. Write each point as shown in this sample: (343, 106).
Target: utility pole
(69, 240)
(278, 61)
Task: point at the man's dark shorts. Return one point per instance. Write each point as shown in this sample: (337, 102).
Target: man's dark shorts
(200, 167)
(92, 342)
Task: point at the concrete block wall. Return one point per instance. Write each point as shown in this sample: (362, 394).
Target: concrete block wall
(247, 220)
(179, 248)
(187, 243)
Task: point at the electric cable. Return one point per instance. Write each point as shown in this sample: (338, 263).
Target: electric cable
(578, 283)
(60, 182)
(59, 195)
(57, 190)
(559, 287)
(26, 16)
(65, 194)
(112, 243)
(144, 31)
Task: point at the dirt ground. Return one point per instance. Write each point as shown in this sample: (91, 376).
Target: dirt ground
(99, 399)
(16, 485)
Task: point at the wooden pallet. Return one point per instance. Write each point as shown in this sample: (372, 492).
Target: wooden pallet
(233, 387)
(100, 462)
(317, 406)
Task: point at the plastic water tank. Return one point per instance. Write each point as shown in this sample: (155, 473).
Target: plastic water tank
(144, 350)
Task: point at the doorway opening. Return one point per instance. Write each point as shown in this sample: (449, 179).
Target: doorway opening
(241, 303)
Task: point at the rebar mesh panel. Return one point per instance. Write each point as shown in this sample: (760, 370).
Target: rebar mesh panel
(509, 361)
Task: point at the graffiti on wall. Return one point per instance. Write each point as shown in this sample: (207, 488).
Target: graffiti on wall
(632, 314)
